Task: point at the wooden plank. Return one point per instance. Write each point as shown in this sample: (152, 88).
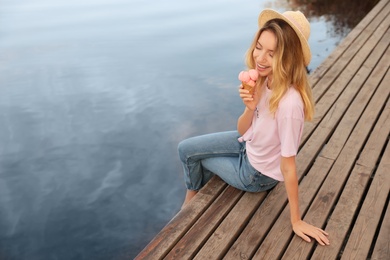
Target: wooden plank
(193, 240)
(343, 215)
(320, 71)
(348, 56)
(382, 245)
(259, 225)
(225, 235)
(333, 184)
(164, 241)
(338, 107)
(276, 240)
(362, 234)
(367, 88)
(327, 100)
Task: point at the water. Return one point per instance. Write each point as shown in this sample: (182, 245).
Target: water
(95, 96)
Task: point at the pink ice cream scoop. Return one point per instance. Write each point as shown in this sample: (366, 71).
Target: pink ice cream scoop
(248, 79)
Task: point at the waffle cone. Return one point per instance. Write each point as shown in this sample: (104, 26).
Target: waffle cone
(248, 87)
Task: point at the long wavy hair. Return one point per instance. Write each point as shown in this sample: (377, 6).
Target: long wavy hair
(288, 68)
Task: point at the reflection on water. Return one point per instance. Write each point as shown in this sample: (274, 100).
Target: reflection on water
(343, 15)
(95, 96)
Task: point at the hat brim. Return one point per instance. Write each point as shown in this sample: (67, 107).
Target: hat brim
(269, 14)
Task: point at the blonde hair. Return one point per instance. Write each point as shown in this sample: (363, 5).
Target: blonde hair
(288, 66)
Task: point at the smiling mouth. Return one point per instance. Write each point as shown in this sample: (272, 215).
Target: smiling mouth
(262, 67)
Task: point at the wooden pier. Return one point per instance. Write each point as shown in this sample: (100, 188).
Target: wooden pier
(343, 169)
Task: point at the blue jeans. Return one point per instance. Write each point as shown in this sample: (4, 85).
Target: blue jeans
(221, 154)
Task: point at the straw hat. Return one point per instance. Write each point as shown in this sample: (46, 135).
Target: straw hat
(297, 21)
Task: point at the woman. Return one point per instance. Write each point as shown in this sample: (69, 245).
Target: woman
(262, 152)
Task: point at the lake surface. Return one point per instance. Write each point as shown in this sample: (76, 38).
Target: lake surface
(96, 95)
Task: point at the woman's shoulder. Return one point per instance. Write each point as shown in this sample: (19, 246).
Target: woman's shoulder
(291, 103)
(292, 97)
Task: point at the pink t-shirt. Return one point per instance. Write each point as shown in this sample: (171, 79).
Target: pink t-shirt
(271, 137)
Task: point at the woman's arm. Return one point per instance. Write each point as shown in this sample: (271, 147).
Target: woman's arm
(300, 227)
(250, 101)
(244, 121)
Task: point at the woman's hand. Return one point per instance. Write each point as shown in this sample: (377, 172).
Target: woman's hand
(304, 230)
(301, 228)
(249, 100)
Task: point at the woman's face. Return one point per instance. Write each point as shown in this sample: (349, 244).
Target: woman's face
(264, 52)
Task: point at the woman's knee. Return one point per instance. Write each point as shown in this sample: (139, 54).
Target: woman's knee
(183, 148)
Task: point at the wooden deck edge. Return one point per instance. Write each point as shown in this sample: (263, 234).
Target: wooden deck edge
(165, 240)
(349, 55)
(323, 104)
(200, 231)
(231, 227)
(323, 68)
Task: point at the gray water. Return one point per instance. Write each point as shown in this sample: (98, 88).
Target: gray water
(95, 96)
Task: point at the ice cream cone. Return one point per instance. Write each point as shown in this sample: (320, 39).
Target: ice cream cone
(248, 87)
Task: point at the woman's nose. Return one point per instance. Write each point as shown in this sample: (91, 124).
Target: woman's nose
(261, 56)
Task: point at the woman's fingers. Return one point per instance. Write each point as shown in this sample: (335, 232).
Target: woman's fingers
(323, 232)
(324, 239)
(243, 91)
(245, 96)
(321, 236)
(306, 238)
(305, 230)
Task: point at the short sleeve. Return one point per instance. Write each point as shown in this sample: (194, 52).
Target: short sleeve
(290, 117)
(290, 133)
